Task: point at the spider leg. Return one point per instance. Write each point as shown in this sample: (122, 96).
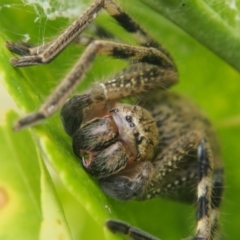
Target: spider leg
(204, 192)
(150, 52)
(124, 228)
(217, 193)
(136, 79)
(135, 53)
(124, 20)
(147, 180)
(46, 53)
(209, 186)
(95, 32)
(26, 49)
(210, 190)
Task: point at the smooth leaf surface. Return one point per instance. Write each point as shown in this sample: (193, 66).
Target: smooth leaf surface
(20, 188)
(204, 77)
(214, 24)
(53, 225)
(25, 190)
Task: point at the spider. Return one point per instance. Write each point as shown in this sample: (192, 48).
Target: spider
(161, 147)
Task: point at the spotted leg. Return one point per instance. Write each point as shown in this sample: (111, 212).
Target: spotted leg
(150, 52)
(124, 228)
(152, 179)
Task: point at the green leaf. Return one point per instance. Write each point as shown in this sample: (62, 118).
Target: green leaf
(213, 24)
(53, 225)
(20, 188)
(28, 206)
(204, 78)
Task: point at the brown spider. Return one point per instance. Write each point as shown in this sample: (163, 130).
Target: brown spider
(162, 147)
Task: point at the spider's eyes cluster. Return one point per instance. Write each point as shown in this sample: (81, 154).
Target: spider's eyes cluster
(137, 136)
(129, 119)
(112, 141)
(139, 133)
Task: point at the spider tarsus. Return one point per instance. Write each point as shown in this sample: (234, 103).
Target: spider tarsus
(8, 44)
(124, 228)
(117, 226)
(29, 120)
(26, 61)
(14, 61)
(20, 49)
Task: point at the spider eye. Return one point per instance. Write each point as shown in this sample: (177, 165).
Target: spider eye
(132, 125)
(129, 118)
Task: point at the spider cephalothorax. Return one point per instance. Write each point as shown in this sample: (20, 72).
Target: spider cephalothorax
(161, 147)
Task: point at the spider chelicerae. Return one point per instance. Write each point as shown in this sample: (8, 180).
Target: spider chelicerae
(161, 147)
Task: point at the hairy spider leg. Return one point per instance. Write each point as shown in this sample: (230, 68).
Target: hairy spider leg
(209, 189)
(126, 229)
(217, 192)
(136, 79)
(204, 191)
(157, 63)
(146, 53)
(47, 52)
